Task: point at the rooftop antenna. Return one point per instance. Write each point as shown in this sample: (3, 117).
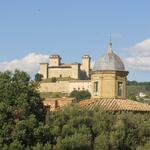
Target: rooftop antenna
(110, 45)
(110, 38)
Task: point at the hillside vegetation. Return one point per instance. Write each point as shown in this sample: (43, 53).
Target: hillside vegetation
(134, 87)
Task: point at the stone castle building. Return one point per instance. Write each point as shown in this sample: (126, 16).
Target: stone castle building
(106, 82)
(59, 70)
(107, 79)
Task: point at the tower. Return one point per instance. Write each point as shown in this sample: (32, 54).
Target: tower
(108, 78)
(55, 60)
(44, 70)
(85, 67)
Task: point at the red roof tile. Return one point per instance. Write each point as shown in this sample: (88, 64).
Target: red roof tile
(115, 104)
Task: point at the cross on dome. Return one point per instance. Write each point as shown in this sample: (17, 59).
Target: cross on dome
(110, 48)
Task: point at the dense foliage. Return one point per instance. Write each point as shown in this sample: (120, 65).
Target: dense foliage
(76, 128)
(38, 77)
(21, 111)
(80, 95)
(24, 125)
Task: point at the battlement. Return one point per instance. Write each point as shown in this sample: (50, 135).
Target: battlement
(55, 60)
(57, 69)
(86, 56)
(54, 56)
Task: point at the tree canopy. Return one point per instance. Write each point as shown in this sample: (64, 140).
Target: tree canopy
(80, 95)
(25, 124)
(21, 109)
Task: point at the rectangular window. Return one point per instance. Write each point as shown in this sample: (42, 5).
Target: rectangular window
(95, 88)
(120, 88)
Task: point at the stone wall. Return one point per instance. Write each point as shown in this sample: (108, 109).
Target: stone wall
(59, 72)
(62, 86)
(65, 86)
(108, 84)
(75, 71)
(44, 70)
(80, 85)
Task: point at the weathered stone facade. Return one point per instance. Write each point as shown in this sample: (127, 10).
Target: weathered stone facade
(106, 80)
(66, 86)
(59, 70)
(62, 86)
(107, 84)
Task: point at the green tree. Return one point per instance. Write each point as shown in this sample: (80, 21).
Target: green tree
(145, 146)
(69, 127)
(21, 109)
(26, 125)
(132, 97)
(76, 141)
(80, 95)
(38, 77)
(101, 142)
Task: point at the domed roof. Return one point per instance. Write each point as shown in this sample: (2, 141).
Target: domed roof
(110, 61)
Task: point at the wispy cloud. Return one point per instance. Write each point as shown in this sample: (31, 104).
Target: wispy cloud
(139, 58)
(29, 63)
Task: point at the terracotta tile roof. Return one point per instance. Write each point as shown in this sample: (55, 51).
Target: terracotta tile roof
(55, 104)
(62, 99)
(115, 104)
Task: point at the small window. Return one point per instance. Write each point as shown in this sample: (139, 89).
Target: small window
(95, 88)
(120, 88)
(60, 76)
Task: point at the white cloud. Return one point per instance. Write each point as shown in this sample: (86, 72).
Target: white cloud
(139, 56)
(139, 59)
(29, 63)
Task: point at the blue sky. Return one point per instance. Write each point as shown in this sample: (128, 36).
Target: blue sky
(33, 29)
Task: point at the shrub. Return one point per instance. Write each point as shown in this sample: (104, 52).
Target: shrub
(80, 95)
(54, 79)
(38, 77)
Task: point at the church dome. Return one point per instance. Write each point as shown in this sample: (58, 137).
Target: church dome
(110, 61)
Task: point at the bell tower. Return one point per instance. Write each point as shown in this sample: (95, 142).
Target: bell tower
(108, 78)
